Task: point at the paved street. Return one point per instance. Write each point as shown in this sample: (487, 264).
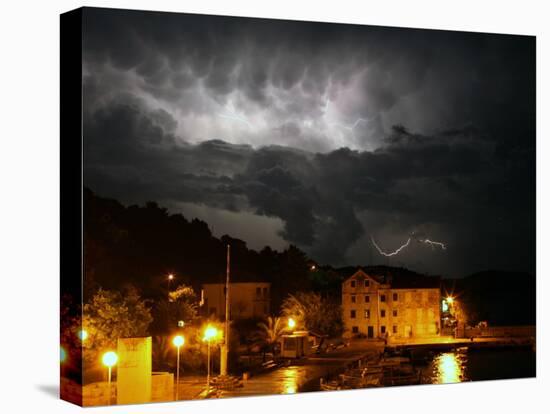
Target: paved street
(304, 374)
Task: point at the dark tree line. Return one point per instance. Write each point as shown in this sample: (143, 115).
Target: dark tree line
(498, 297)
(141, 245)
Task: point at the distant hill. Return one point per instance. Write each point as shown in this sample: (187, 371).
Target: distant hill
(499, 297)
(141, 245)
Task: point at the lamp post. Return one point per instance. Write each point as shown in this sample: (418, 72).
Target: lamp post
(170, 278)
(178, 342)
(109, 360)
(224, 351)
(210, 333)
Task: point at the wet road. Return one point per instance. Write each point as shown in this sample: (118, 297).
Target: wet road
(298, 378)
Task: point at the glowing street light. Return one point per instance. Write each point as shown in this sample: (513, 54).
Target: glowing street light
(62, 359)
(109, 360)
(450, 300)
(170, 277)
(83, 335)
(210, 333)
(178, 342)
(291, 323)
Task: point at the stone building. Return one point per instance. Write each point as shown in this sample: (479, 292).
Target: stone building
(379, 307)
(247, 300)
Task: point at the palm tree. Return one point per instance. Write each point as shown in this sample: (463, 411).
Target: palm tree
(270, 333)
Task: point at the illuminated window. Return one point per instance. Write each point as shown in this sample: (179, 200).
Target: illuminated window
(383, 313)
(367, 298)
(367, 313)
(352, 314)
(352, 298)
(382, 298)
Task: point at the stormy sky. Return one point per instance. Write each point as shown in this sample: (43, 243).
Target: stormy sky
(320, 135)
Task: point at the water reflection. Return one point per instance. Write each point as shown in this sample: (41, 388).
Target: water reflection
(448, 367)
(290, 380)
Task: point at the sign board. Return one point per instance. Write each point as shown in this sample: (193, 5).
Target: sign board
(134, 370)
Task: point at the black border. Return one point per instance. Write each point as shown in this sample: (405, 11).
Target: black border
(71, 252)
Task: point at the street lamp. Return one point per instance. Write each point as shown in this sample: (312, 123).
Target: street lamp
(450, 300)
(210, 333)
(291, 323)
(170, 278)
(178, 342)
(83, 334)
(109, 360)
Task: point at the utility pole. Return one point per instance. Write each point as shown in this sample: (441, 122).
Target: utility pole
(225, 346)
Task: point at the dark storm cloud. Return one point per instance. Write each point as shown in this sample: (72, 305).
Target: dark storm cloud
(259, 116)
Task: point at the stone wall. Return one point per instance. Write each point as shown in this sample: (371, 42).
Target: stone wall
(502, 331)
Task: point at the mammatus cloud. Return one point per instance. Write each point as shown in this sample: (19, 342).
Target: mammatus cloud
(339, 133)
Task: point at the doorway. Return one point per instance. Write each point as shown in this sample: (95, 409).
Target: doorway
(370, 332)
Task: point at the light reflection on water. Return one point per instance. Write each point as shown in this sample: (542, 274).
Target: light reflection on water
(448, 367)
(290, 380)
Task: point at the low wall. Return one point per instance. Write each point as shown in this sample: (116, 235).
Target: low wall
(97, 394)
(162, 386)
(162, 389)
(501, 331)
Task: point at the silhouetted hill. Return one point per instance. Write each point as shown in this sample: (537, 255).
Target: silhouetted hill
(499, 297)
(141, 245)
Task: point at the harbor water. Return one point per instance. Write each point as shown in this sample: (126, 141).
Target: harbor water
(480, 364)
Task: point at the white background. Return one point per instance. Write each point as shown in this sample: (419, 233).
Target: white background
(29, 206)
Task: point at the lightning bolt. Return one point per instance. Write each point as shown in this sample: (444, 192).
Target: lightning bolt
(350, 127)
(433, 243)
(236, 118)
(395, 252)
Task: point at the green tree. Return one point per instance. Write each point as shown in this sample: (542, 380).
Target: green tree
(110, 315)
(313, 312)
